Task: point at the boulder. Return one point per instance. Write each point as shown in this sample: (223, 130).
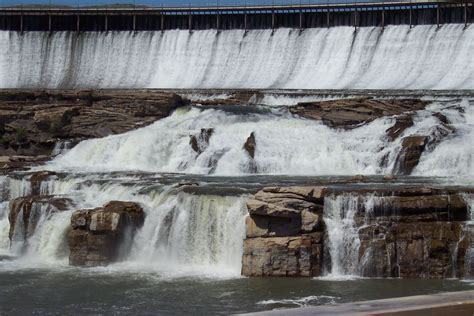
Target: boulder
(97, 236)
(250, 145)
(278, 211)
(402, 122)
(410, 153)
(31, 208)
(200, 142)
(283, 256)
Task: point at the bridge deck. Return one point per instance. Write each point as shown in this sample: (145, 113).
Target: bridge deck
(141, 18)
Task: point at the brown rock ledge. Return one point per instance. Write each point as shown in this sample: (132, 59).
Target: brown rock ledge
(32, 121)
(98, 235)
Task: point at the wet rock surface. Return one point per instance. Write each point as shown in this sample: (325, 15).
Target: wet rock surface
(26, 211)
(350, 113)
(284, 232)
(410, 154)
(200, 142)
(98, 236)
(283, 256)
(407, 231)
(32, 121)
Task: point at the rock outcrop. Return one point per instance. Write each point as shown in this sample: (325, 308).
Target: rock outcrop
(416, 236)
(31, 122)
(350, 113)
(410, 153)
(99, 236)
(284, 232)
(200, 142)
(403, 231)
(26, 211)
(250, 145)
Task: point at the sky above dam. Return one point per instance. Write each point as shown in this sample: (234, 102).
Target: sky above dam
(169, 2)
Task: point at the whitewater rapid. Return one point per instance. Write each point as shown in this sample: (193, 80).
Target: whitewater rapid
(183, 234)
(285, 145)
(397, 57)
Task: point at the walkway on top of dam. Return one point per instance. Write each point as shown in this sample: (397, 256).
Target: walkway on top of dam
(304, 15)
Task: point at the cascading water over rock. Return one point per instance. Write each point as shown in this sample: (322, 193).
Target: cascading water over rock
(397, 57)
(182, 234)
(284, 144)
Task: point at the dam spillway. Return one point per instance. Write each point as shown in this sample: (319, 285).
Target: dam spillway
(397, 57)
(173, 151)
(302, 16)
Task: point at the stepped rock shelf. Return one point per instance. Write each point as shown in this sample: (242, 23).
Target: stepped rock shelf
(408, 231)
(392, 221)
(401, 230)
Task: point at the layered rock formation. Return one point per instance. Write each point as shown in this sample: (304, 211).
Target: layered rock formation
(26, 211)
(99, 236)
(402, 232)
(31, 122)
(284, 232)
(350, 113)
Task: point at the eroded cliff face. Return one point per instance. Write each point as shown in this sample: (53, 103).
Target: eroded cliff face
(410, 232)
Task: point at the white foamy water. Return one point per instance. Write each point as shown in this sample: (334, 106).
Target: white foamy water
(398, 57)
(183, 234)
(342, 236)
(285, 144)
(303, 301)
(456, 153)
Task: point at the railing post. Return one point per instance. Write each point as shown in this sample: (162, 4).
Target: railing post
(301, 19)
(49, 23)
(437, 15)
(273, 20)
(21, 23)
(245, 21)
(189, 21)
(410, 17)
(78, 26)
(465, 14)
(134, 23)
(106, 23)
(383, 18)
(217, 20)
(355, 18)
(162, 21)
(327, 18)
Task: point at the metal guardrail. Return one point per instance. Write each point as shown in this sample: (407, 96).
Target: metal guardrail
(123, 9)
(220, 5)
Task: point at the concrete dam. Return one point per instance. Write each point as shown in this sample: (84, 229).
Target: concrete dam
(357, 14)
(390, 45)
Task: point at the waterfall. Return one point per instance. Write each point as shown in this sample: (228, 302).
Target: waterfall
(61, 147)
(469, 256)
(192, 234)
(342, 234)
(183, 233)
(4, 228)
(396, 57)
(455, 153)
(285, 144)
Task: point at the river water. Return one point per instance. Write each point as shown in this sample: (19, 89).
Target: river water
(187, 256)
